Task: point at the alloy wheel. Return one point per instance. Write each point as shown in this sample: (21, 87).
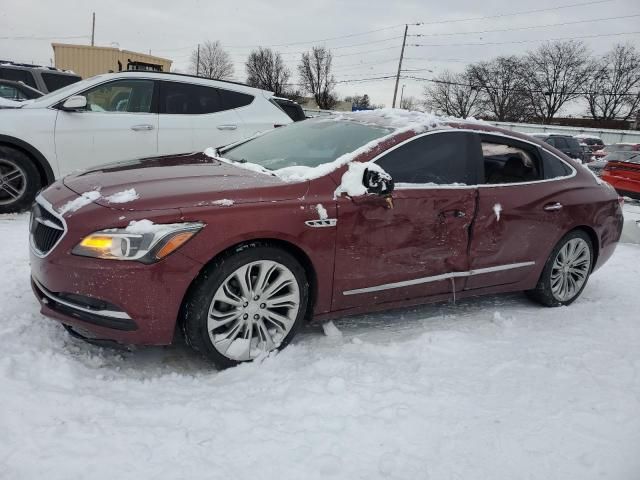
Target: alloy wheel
(570, 269)
(253, 310)
(13, 181)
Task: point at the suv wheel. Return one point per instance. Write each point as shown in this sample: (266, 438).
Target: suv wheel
(19, 181)
(245, 305)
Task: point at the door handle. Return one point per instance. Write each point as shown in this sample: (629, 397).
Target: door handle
(142, 128)
(453, 213)
(227, 127)
(552, 207)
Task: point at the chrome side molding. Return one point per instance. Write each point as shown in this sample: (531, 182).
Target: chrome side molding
(437, 278)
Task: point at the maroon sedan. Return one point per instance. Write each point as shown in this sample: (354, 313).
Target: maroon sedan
(235, 249)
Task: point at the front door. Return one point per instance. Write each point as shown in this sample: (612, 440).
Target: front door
(118, 124)
(414, 249)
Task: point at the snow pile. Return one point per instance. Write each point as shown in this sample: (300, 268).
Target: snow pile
(352, 180)
(225, 202)
(330, 330)
(430, 392)
(497, 208)
(322, 212)
(82, 201)
(124, 196)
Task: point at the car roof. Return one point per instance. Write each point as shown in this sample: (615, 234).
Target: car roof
(29, 66)
(185, 77)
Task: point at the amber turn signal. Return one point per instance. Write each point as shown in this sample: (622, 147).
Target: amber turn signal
(174, 243)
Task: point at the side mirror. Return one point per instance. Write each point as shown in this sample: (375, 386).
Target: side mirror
(378, 183)
(74, 103)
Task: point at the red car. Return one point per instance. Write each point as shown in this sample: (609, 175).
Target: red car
(624, 174)
(235, 249)
(616, 147)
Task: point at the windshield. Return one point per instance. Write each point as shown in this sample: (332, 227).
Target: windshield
(308, 143)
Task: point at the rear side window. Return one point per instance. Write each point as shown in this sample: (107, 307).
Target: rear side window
(234, 99)
(553, 167)
(509, 161)
(18, 75)
(187, 99)
(55, 81)
(440, 158)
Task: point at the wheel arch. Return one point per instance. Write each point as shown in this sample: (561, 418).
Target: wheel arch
(298, 253)
(594, 241)
(39, 160)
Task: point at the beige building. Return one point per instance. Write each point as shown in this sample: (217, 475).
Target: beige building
(88, 61)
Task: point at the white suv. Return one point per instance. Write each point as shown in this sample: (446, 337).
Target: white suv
(122, 116)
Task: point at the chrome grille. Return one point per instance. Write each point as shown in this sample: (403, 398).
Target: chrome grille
(46, 227)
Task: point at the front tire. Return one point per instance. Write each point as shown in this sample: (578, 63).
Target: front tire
(566, 272)
(246, 304)
(19, 180)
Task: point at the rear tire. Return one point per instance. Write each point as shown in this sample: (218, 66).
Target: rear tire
(19, 180)
(566, 272)
(246, 304)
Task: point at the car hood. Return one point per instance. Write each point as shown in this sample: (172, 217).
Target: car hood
(179, 181)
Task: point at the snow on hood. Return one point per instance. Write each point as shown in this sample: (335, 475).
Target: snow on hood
(400, 121)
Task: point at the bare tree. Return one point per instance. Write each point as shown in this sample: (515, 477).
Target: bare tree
(266, 70)
(316, 78)
(613, 90)
(409, 103)
(503, 88)
(213, 61)
(555, 74)
(453, 94)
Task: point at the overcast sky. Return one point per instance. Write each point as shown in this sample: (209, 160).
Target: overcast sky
(172, 29)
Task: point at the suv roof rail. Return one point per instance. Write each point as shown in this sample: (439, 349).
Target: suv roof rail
(190, 76)
(10, 63)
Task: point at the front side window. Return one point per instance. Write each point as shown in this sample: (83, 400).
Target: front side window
(509, 161)
(560, 143)
(133, 96)
(439, 158)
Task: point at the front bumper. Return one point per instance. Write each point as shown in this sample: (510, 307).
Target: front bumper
(124, 301)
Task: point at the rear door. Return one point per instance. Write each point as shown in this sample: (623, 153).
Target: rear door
(520, 211)
(119, 123)
(194, 117)
(414, 249)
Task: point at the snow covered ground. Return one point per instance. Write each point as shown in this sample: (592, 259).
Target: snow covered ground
(493, 388)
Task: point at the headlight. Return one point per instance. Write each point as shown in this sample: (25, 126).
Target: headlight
(142, 241)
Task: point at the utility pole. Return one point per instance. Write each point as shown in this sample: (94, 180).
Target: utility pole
(401, 95)
(93, 29)
(395, 90)
(198, 62)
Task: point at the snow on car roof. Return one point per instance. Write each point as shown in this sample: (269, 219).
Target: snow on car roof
(586, 135)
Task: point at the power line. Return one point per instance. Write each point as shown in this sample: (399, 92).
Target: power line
(390, 27)
(521, 41)
(334, 48)
(525, 28)
(526, 12)
(516, 90)
(31, 37)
